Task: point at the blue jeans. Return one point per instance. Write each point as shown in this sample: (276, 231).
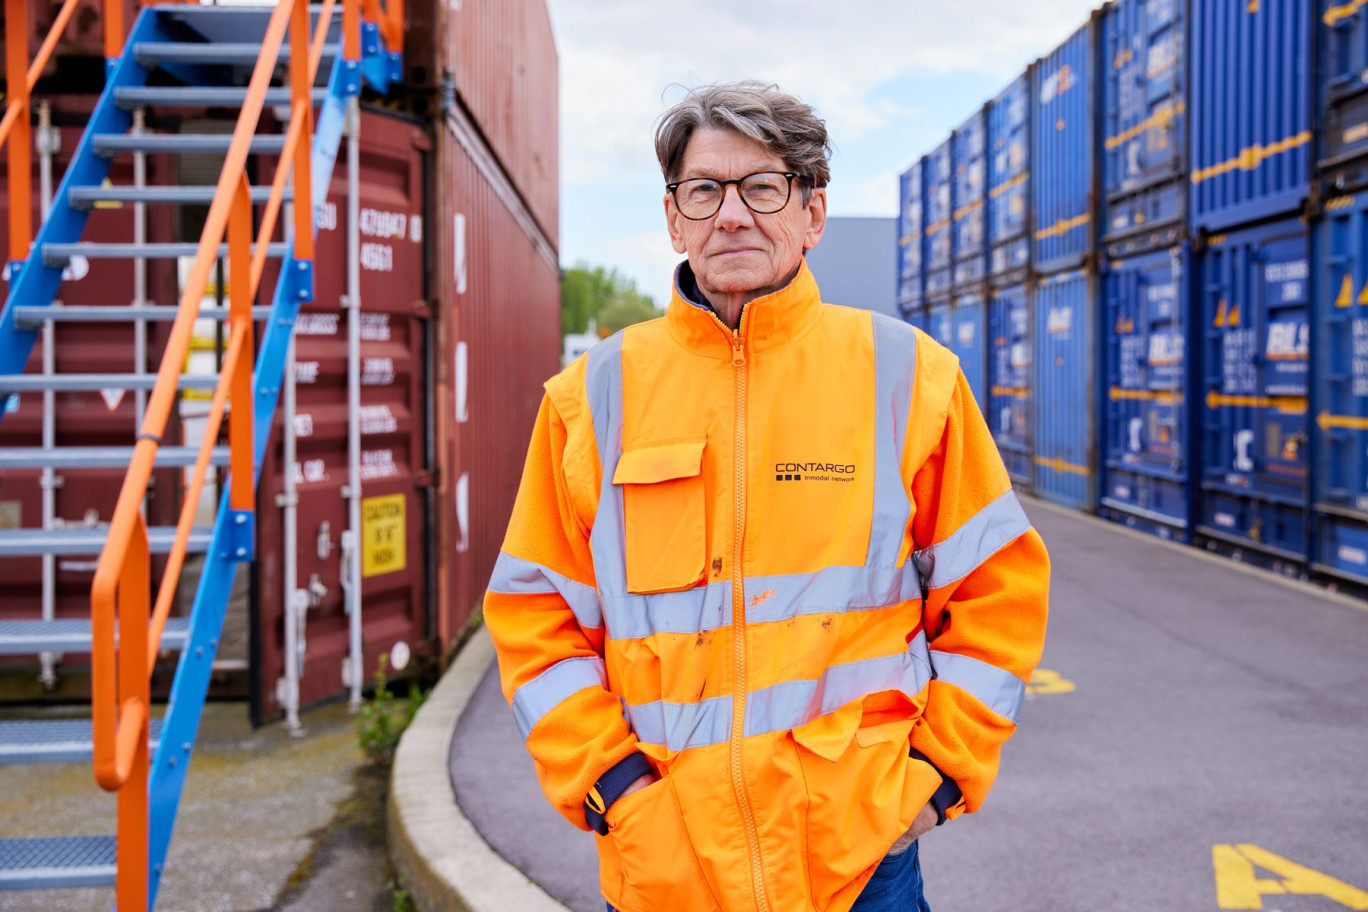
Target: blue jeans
(895, 887)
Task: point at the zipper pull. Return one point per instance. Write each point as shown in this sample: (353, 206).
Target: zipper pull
(738, 352)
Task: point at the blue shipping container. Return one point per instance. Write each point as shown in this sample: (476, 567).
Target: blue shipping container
(1066, 377)
(939, 208)
(1340, 390)
(940, 321)
(1143, 120)
(910, 239)
(1062, 161)
(969, 342)
(1251, 119)
(1147, 439)
(1010, 380)
(1009, 175)
(971, 180)
(1343, 75)
(1255, 294)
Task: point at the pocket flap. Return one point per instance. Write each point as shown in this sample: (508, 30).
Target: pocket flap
(661, 462)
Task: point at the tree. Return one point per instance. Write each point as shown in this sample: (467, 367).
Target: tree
(603, 293)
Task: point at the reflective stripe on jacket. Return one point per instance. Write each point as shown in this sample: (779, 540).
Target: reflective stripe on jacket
(717, 557)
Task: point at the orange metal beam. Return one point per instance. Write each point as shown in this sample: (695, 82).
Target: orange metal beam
(54, 35)
(20, 170)
(351, 30)
(113, 29)
(301, 107)
(240, 474)
(134, 696)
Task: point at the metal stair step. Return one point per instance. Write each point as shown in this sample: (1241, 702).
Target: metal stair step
(54, 740)
(35, 317)
(94, 383)
(32, 636)
(85, 197)
(28, 542)
(154, 52)
(112, 457)
(111, 144)
(200, 97)
(60, 254)
(53, 862)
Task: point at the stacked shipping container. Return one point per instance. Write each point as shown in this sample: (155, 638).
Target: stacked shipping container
(1186, 262)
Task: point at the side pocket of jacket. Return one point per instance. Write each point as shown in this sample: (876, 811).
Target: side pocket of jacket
(655, 859)
(666, 518)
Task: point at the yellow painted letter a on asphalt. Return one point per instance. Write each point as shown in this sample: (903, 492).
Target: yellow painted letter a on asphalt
(1238, 887)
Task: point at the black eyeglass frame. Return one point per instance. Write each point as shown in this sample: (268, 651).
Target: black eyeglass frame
(673, 188)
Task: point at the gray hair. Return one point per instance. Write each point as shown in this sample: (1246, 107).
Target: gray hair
(776, 120)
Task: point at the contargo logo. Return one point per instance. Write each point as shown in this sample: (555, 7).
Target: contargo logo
(813, 471)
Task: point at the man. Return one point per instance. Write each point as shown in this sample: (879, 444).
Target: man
(767, 603)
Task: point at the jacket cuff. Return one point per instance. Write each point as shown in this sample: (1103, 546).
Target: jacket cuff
(610, 786)
(947, 796)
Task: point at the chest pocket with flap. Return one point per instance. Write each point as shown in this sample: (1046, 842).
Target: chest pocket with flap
(666, 524)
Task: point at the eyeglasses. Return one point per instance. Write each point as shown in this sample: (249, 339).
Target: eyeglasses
(764, 193)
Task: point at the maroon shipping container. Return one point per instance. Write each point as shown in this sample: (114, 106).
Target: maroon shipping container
(85, 496)
(396, 397)
(500, 293)
(503, 57)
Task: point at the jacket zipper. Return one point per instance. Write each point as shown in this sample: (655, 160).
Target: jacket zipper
(739, 624)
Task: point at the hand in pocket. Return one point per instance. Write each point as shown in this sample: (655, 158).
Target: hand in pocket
(659, 868)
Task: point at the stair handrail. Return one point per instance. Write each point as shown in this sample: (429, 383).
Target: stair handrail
(121, 672)
(21, 77)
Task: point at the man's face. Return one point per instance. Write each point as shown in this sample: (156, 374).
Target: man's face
(738, 251)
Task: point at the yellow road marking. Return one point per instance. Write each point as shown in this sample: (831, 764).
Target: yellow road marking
(1238, 887)
(1049, 683)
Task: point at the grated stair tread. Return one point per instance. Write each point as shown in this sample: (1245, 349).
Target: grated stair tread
(29, 542)
(35, 317)
(111, 457)
(201, 97)
(51, 862)
(85, 197)
(31, 636)
(93, 383)
(109, 144)
(60, 254)
(153, 52)
(53, 740)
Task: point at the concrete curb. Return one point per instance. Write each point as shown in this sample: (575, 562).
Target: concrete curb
(442, 860)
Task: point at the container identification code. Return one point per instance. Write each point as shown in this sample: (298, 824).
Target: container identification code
(382, 535)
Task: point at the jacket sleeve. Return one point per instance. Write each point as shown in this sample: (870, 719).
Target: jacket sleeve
(543, 615)
(987, 580)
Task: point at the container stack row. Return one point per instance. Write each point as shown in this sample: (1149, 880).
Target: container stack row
(1150, 253)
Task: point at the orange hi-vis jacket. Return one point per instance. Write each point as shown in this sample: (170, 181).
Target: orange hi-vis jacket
(783, 563)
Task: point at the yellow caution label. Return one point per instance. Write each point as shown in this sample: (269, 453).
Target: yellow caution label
(382, 535)
(1238, 886)
(1363, 295)
(1346, 293)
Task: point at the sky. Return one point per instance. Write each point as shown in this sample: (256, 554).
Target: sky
(891, 79)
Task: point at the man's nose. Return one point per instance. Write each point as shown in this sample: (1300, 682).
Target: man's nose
(733, 213)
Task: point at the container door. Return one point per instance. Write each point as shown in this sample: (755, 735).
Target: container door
(1341, 390)
(1008, 177)
(1250, 111)
(971, 179)
(1343, 69)
(1010, 381)
(1065, 436)
(1062, 166)
(940, 324)
(1146, 429)
(940, 202)
(1143, 115)
(395, 541)
(968, 344)
(1255, 443)
(910, 238)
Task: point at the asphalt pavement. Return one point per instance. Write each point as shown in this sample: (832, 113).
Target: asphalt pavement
(1196, 739)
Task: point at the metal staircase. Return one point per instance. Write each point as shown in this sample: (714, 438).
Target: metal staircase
(310, 60)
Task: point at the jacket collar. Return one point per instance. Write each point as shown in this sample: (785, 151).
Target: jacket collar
(766, 323)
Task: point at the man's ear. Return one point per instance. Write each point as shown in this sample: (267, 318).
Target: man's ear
(673, 224)
(816, 218)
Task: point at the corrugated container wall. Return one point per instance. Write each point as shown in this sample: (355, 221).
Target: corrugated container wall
(1009, 174)
(1342, 69)
(1066, 377)
(1340, 389)
(1251, 117)
(1256, 294)
(969, 158)
(911, 241)
(1010, 380)
(1147, 436)
(939, 179)
(959, 325)
(1143, 124)
(504, 62)
(396, 402)
(1062, 166)
(500, 291)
